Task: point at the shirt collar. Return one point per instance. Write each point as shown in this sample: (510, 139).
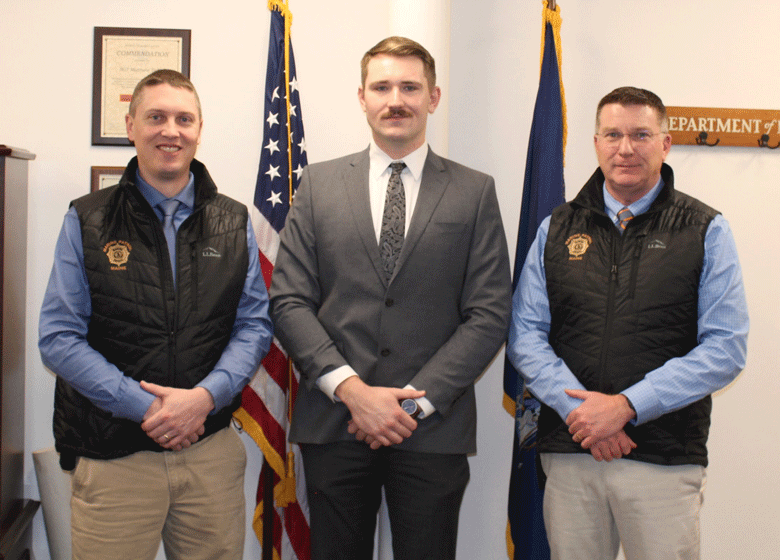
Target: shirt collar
(613, 206)
(186, 196)
(379, 161)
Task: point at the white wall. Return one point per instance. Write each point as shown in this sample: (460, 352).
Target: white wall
(715, 54)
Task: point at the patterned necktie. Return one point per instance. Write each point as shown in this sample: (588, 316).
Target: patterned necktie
(169, 207)
(624, 216)
(391, 236)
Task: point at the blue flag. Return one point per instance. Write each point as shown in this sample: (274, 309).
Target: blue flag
(543, 190)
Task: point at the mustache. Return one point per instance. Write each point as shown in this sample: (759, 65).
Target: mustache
(392, 113)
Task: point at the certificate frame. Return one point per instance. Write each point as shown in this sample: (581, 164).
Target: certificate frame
(104, 176)
(122, 56)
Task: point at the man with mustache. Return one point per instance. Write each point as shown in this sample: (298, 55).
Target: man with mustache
(391, 292)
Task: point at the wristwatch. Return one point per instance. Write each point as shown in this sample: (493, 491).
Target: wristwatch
(411, 407)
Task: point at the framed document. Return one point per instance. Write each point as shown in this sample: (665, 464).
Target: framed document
(102, 177)
(122, 56)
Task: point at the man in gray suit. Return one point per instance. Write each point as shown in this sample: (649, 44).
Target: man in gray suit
(391, 292)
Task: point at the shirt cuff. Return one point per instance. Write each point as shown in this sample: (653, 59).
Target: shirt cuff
(426, 406)
(328, 382)
(217, 391)
(646, 405)
(134, 402)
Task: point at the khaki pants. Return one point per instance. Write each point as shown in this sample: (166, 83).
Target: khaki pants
(191, 499)
(590, 507)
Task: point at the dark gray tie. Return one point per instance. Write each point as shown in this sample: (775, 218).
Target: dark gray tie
(391, 236)
(169, 208)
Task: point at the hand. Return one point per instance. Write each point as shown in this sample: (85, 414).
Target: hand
(598, 417)
(360, 435)
(613, 447)
(377, 418)
(175, 419)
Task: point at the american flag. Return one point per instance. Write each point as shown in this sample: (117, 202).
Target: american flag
(266, 401)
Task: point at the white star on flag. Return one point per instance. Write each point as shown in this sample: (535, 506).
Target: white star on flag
(275, 198)
(273, 172)
(273, 146)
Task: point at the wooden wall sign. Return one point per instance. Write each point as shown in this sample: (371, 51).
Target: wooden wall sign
(758, 128)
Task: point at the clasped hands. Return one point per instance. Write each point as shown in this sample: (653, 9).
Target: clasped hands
(175, 420)
(377, 418)
(597, 424)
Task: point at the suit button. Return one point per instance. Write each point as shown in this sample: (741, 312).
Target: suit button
(389, 302)
(385, 352)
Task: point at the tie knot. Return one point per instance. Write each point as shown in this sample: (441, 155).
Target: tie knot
(168, 206)
(624, 216)
(397, 167)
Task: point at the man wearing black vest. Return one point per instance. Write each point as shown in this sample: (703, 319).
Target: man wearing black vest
(630, 312)
(155, 317)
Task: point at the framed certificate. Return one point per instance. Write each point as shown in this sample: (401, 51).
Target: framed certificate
(122, 56)
(102, 177)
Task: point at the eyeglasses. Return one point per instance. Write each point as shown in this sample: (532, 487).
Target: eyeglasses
(637, 138)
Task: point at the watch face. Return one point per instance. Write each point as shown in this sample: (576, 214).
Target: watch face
(409, 406)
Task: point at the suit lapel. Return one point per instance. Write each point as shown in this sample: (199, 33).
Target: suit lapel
(434, 183)
(355, 182)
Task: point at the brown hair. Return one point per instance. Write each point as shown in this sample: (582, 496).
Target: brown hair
(635, 96)
(400, 46)
(170, 77)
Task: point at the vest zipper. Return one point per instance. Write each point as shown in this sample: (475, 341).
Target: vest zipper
(194, 275)
(170, 311)
(639, 242)
(607, 335)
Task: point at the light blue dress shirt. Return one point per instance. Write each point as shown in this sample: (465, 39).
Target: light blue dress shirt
(716, 360)
(67, 309)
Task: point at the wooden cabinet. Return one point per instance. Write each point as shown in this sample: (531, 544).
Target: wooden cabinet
(16, 513)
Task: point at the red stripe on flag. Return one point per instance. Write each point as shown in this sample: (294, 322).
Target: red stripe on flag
(275, 363)
(268, 268)
(297, 527)
(273, 432)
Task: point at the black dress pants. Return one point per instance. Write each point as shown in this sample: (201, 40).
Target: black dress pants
(424, 492)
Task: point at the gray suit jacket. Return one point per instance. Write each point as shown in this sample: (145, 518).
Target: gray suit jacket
(436, 325)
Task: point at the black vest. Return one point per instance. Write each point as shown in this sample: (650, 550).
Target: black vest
(138, 322)
(623, 305)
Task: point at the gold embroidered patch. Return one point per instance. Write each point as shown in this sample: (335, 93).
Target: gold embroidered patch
(118, 253)
(577, 245)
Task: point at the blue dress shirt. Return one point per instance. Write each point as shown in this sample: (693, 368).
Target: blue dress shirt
(711, 365)
(67, 308)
